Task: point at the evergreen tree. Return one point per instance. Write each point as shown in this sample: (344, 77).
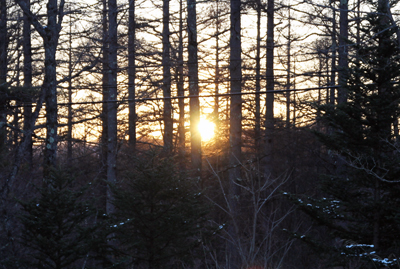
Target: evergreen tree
(159, 215)
(56, 228)
(362, 203)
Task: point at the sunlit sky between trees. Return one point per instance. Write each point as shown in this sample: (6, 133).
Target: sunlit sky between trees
(147, 10)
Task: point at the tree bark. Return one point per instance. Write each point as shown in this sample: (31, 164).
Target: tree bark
(269, 117)
(30, 18)
(332, 95)
(194, 89)
(16, 111)
(132, 75)
(288, 75)
(112, 102)
(181, 90)
(343, 50)
(27, 52)
(216, 82)
(3, 69)
(104, 114)
(4, 42)
(70, 113)
(166, 64)
(384, 125)
(50, 84)
(235, 129)
(257, 129)
(50, 35)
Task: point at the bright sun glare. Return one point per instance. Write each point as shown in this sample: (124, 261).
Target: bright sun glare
(206, 129)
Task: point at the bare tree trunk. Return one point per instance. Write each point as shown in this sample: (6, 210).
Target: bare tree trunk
(112, 101)
(343, 50)
(384, 18)
(390, 15)
(269, 117)
(332, 96)
(217, 81)
(294, 97)
(16, 132)
(288, 75)
(166, 63)
(194, 89)
(235, 130)
(132, 75)
(3, 69)
(70, 113)
(104, 114)
(27, 51)
(50, 35)
(217, 70)
(50, 84)
(358, 25)
(257, 129)
(320, 70)
(181, 90)
(4, 42)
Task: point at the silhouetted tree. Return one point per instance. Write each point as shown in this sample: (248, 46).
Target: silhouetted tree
(57, 229)
(235, 129)
(361, 204)
(160, 215)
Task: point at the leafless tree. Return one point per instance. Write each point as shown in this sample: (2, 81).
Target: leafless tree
(257, 224)
(194, 88)
(3, 69)
(132, 74)
(269, 117)
(166, 84)
(27, 51)
(50, 34)
(235, 130)
(112, 100)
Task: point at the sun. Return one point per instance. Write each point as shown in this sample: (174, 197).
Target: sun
(206, 129)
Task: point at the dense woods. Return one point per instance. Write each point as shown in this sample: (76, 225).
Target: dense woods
(199, 134)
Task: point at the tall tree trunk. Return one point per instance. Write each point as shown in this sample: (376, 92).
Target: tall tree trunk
(70, 113)
(181, 90)
(294, 97)
(16, 132)
(343, 50)
(269, 117)
(235, 130)
(4, 42)
(104, 114)
(3, 70)
(112, 102)
(320, 85)
(217, 69)
(390, 15)
(27, 51)
(50, 37)
(257, 129)
(385, 126)
(332, 96)
(166, 63)
(132, 75)
(288, 75)
(194, 89)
